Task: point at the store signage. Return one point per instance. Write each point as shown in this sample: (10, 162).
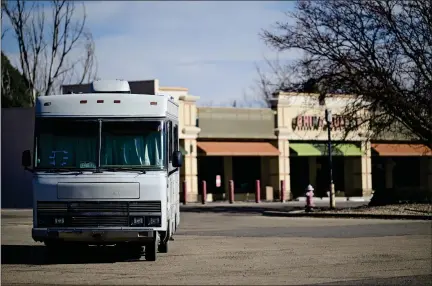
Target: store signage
(308, 122)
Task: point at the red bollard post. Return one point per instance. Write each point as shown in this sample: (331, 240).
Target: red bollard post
(204, 192)
(231, 191)
(258, 191)
(282, 191)
(184, 192)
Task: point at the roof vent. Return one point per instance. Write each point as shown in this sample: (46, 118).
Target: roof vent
(110, 86)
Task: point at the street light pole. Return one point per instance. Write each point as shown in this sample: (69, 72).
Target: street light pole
(328, 116)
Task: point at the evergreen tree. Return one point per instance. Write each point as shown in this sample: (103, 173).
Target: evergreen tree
(15, 87)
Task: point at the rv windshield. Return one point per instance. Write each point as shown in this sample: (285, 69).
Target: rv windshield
(73, 144)
(133, 144)
(66, 143)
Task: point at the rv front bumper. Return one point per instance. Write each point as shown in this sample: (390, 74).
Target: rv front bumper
(93, 235)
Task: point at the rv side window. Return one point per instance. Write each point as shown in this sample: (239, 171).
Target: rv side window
(170, 139)
(176, 138)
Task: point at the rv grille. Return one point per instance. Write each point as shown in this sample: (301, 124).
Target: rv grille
(95, 213)
(77, 221)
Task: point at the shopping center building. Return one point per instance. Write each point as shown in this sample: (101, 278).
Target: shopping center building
(284, 143)
(288, 143)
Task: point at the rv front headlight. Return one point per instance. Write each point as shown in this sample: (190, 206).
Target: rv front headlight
(153, 221)
(137, 221)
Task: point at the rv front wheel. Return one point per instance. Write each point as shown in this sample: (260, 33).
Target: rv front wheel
(151, 250)
(163, 246)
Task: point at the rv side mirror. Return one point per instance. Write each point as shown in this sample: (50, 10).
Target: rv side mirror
(177, 159)
(26, 159)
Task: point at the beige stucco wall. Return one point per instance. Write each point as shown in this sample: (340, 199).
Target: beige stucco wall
(290, 106)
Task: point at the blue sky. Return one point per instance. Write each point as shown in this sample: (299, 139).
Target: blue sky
(212, 48)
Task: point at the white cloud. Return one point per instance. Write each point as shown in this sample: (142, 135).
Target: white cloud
(209, 47)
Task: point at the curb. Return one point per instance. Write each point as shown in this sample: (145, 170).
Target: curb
(337, 199)
(346, 215)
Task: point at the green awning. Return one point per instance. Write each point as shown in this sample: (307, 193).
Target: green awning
(320, 149)
(339, 149)
(348, 149)
(324, 150)
(183, 151)
(305, 149)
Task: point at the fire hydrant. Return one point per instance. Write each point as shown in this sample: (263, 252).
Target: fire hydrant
(309, 198)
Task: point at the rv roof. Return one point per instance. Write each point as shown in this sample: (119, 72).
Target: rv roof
(106, 105)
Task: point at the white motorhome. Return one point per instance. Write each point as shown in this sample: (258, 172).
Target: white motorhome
(106, 169)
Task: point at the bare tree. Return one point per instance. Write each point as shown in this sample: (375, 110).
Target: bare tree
(55, 47)
(380, 51)
(278, 78)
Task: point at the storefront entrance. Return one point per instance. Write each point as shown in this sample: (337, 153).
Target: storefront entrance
(208, 169)
(246, 170)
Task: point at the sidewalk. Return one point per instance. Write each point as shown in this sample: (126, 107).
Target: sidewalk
(339, 199)
(346, 215)
(419, 211)
(259, 208)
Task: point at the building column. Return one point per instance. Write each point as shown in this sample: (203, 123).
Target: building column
(284, 166)
(389, 165)
(228, 174)
(189, 132)
(366, 169)
(191, 170)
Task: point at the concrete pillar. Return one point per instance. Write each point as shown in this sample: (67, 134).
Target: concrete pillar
(189, 132)
(366, 168)
(389, 165)
(283, 131)
(228, 174)
(284, 166)
(191, 170)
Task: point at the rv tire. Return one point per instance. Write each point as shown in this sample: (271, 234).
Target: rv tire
(163, 246)
(151, 249)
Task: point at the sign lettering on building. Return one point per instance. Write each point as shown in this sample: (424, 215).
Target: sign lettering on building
(308, 122)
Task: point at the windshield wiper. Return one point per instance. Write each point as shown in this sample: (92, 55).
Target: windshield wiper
(61, 170)
(127, 169)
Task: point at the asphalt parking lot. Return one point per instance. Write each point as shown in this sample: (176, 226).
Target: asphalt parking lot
(227, 247)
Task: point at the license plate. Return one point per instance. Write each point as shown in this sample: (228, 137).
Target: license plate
(97, 232)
